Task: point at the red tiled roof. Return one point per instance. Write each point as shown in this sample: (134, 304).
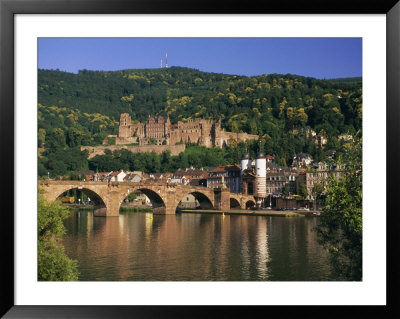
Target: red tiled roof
(103, 174)
(114, 173)
(226, 168)
(218, 169)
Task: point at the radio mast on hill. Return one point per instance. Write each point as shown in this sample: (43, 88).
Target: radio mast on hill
(161, 63)
(166, 59)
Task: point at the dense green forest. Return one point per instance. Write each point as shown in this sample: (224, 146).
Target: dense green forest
(81, 109)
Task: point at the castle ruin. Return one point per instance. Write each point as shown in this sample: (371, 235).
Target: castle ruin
(159, 130)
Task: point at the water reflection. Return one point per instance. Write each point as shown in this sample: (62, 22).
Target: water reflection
(199, 247)
(262, 251)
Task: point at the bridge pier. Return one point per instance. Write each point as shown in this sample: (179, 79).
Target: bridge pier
(100, 211)
(113, 202)
(170, 210)
(106, 212)
(166, 196)
(222, 199)
(243, 203)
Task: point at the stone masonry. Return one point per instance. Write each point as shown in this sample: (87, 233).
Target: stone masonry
(165, 197)
(202, 132)
(158, 149)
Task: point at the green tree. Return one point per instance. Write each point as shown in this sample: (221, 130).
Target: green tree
(317, 191)
(59, 136)
(53, 263)
(74, 176)
(340, 227)
(285, 190)
(83, 108)
(42, 171)
(303, 190)
(111, 141)
(131, 197)
(74, 137)
(235, 127)
(166, 161)
(41, 137)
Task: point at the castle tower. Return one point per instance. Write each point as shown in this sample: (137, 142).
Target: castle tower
(216, 136)
(261, 178)
(206, 134)
(167, 128)
(124, 129)
(125, 119)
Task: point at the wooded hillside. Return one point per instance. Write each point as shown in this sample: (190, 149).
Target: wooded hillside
(81, 109)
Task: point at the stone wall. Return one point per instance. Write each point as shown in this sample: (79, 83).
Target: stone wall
(158, 149)
(126, 140)
(222, 199)
(288, 203)
(239, 137)
(198, 131)
(164, 196)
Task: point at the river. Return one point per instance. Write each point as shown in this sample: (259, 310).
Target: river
(195, 247)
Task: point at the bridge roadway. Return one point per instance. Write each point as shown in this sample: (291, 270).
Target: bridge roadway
(164, 197)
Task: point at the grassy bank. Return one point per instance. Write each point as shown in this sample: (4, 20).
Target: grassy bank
(78, 207)
(135, 209)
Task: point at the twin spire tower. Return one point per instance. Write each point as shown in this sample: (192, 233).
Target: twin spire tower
(166, 61)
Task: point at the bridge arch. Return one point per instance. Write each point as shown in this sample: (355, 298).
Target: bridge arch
(202, 199)
(164, 197)
(250, 203)
(94, 196)
(234, 203)
(156, 200)
(53, 191)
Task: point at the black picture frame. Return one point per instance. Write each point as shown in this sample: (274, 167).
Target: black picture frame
(8, 10)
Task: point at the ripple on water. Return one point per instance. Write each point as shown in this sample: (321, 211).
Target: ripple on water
(195, 247)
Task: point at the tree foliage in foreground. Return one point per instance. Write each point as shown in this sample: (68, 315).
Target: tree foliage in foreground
(340, 227)
(53, 263)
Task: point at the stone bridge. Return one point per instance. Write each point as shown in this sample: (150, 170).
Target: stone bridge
(165, 197)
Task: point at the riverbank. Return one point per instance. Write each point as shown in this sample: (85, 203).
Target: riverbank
(286, 213)
(78, 207)
(254, 212)
(136, 209)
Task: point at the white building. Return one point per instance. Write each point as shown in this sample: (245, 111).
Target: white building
(117, 176)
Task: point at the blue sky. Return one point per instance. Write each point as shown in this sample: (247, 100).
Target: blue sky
(314, 57)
